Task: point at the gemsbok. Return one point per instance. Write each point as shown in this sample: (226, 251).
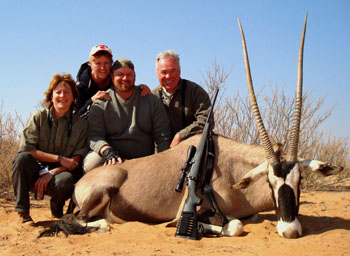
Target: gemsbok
(143, 189)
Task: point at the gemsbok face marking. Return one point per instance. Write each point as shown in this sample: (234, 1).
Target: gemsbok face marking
(284, 181)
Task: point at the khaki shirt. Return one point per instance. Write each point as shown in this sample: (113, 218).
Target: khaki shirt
(52, 136)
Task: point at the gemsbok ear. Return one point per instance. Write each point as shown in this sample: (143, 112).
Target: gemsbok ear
(252, 176)
(319, 167)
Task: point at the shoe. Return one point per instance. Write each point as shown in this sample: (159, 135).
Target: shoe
(25, 217)
(56, 208)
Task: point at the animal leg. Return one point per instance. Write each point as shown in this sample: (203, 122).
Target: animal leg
(92, 205)
(179, 211)
(99, 204)
(110, 217)
(233, 228)
(93, 193)
(101, 225)
(252, 175)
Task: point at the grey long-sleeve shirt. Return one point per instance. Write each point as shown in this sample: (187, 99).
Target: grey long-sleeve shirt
(132, 127)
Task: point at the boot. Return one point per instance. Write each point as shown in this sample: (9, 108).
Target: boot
(25, 217)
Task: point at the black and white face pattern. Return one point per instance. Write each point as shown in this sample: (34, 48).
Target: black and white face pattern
(284, 180)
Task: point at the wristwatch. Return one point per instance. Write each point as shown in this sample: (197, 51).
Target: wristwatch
(59, 158)
(52, 173)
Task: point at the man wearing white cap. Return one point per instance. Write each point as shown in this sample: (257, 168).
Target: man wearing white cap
(94, 79)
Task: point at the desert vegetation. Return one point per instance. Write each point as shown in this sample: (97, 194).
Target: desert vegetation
(10, 127)
(234, 119)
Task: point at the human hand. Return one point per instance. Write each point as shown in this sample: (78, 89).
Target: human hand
(41, 185)
(69, 163)
(145, 90)
(101, 95)
(111, 157)
(176, 140)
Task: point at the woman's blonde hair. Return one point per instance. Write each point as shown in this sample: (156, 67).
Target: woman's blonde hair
(55, 80)
(99, 54)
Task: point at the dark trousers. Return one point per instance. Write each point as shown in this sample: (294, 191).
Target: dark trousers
(25, 172)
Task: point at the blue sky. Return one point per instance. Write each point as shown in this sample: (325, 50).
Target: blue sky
(39, 38)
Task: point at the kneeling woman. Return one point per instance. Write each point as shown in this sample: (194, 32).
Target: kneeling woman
(53, 142)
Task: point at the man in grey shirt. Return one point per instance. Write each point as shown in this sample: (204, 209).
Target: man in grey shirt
(126, 126)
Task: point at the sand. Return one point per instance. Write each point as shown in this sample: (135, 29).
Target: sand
(325, 217)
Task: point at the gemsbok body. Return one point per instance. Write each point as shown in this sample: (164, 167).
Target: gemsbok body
(247, 179)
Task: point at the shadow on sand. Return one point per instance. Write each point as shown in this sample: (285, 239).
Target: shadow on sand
(312, 225)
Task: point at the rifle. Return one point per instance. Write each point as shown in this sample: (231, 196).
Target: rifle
(187, 225)
(184, 169)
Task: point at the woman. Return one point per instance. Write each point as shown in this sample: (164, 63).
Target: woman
(53, 142)
(94, 79)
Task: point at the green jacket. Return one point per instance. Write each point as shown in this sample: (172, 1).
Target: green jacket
(52, 136)
(197, 107)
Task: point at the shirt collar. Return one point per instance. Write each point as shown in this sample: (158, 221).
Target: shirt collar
(168, 94)
(66, 115)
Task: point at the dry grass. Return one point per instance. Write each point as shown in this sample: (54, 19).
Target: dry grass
(234, 119)
(10, 127)
(314, 182)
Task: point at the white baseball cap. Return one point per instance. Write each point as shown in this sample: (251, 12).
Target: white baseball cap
(100, 48)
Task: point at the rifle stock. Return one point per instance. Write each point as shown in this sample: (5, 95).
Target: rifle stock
(187, 225)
